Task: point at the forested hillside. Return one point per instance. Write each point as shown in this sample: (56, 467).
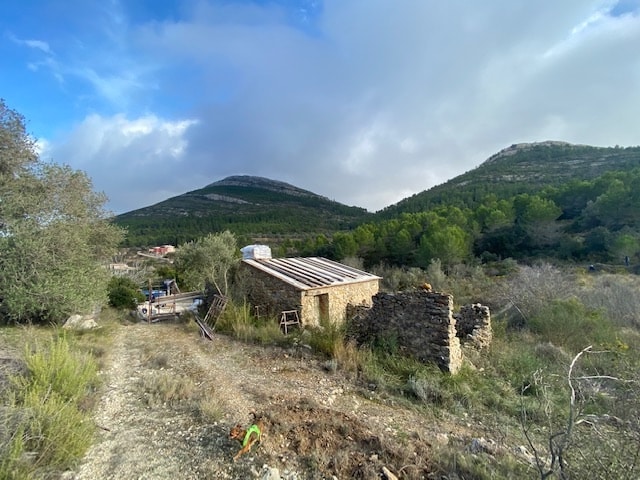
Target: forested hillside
(521, 168)
(549, 200)
(545, 200)
(250, 207)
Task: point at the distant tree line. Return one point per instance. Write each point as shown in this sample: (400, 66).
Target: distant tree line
(583, 220)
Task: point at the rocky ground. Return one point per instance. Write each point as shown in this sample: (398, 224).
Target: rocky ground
(319, 424)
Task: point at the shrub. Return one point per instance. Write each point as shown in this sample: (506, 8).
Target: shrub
(123, 293)
(395, 279)
(571, 325)
(532, 289)
(616, 295)
(71, 375)
(43, 426)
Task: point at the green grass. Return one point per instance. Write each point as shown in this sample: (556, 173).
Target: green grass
(45, 427)
(238, 322)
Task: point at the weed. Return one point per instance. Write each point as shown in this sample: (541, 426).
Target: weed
(238, 321)
(165, 388)
(210, 408)
(327, 339)
(43, 427)
(348, 356)
(158, 361)
(451, 461)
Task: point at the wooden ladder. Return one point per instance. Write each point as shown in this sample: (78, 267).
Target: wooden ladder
(288, 318)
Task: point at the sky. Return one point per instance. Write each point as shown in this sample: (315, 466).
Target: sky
(365, 102)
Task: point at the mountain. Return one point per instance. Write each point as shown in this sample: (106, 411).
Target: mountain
(253, 207)
(260, 209)
(521, 168)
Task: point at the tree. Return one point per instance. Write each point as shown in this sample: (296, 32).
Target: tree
(207, 261)
(450, 244)
(124, 293)
(54, 233)
(345, 245)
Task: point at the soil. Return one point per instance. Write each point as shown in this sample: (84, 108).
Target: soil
(319, 424)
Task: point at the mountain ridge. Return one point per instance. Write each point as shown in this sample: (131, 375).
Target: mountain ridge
(521, 168)
(248, 205)
(262, 182)
(261, 207)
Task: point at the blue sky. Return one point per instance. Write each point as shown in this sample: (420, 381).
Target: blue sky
(363, 101)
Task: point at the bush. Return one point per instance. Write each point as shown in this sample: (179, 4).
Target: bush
(43, 427)
(571, 325)
(531, 290)
(55, 367)
(395, 279)
(327, 339)
(124, 293)
(616, 295)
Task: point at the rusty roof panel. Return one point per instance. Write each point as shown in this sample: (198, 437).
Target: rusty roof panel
(311, 272)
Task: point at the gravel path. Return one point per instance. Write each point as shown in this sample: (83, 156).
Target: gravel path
(317, 421)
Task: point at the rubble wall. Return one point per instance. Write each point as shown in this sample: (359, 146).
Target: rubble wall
(422, 324)
(419, 324)
(473, 324)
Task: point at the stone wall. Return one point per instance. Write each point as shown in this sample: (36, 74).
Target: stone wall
(421, 324)
(272, 294)
(473, 324)
(339, 298)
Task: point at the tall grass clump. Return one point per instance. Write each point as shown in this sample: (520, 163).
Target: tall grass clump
(165, 388)
(571, 325)
(237, 321)
(327, 339)
(616, 296)
(44, 427)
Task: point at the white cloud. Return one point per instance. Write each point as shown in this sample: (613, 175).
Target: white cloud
(31, 43)
(377, 101)
(44, 46)
(137, 162)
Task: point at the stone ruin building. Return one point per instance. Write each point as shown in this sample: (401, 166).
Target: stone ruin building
(422, 322)
(422, 325)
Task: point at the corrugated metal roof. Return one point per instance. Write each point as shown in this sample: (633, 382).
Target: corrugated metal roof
(311, 272)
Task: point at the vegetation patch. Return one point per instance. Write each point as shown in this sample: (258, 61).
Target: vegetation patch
(44, 427)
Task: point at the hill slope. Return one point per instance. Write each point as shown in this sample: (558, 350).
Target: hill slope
(521, 168)
(246, 205)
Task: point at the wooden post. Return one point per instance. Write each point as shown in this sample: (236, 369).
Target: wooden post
(150, 300)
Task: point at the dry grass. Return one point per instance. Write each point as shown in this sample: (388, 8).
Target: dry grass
(210, 407)
(164, 388)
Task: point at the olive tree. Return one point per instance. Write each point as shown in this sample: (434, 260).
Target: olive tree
(207, 261)
(54, 233)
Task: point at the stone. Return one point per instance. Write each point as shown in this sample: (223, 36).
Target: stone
(80, 322)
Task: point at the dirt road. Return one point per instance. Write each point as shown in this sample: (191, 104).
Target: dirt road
(170, 398)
